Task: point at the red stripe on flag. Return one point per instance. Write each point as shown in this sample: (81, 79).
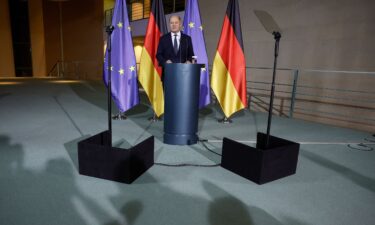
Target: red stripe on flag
(152, 41)
(234, 59)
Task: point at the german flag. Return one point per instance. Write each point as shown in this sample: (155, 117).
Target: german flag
(228, 79)
(149, 70)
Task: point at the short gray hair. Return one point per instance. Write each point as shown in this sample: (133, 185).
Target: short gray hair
(178, 17)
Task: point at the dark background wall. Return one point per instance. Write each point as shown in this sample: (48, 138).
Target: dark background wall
(6, 46)
(322, 34)
(82, 34)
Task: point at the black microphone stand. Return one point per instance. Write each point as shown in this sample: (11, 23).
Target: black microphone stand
(109, 31)
(97, 157)
(273, 157)
(277, 37)
(186, 50)
(180, 49)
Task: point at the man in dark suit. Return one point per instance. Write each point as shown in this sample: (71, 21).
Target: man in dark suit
(175, 47)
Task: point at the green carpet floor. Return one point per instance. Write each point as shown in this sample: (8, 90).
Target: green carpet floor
(41, 121)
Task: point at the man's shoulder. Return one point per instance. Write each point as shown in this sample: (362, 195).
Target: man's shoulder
(185, 35)
(164, 36)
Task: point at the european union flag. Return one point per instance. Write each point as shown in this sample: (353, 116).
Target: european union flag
(194, 28)
(123, 64)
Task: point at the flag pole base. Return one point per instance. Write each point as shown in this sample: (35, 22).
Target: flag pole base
(225, 120)
(154, 118)
(119, 116)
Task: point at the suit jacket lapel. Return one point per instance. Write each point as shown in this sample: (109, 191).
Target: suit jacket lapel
(169, 39)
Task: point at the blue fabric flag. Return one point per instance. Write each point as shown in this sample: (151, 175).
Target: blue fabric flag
(123, 64)
(194, 28)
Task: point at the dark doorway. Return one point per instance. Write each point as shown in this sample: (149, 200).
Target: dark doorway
(19, 17)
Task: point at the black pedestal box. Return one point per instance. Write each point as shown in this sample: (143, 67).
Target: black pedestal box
(258, 164)
(97, 159)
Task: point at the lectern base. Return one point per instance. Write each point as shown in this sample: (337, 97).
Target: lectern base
(178, 139)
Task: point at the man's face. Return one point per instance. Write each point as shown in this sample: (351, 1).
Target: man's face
(174, 24)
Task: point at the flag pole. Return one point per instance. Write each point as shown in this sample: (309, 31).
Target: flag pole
(109, 31)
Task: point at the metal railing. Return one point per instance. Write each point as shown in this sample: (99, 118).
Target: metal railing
(74, 69)
(344, 97)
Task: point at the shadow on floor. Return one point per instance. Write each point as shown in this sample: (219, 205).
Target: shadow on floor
(355, 177)
(227, 209)
(27, 193)
(163, 205)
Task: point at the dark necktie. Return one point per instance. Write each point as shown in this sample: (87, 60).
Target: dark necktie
(175, 45)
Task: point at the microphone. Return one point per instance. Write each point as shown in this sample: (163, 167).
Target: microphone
(186, 51)
(180, 49)
(194, 59)
(109, 29)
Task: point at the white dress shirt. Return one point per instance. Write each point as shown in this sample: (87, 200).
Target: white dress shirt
(178, 38)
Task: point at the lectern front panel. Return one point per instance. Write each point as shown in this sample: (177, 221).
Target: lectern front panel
(181, 95)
